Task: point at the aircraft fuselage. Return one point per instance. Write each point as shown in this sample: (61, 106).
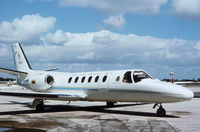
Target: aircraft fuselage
(107, 86)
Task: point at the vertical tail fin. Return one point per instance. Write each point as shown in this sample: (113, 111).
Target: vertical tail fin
(21, 62)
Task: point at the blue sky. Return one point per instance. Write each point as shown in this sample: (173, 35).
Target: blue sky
(158, 36)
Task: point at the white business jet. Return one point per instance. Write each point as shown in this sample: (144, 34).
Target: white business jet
(131, 85)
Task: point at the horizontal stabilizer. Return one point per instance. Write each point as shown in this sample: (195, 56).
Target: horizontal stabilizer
(13, 72)
(53, 69)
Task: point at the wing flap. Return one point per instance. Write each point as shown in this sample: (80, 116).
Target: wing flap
(13, 72)
(50, 96)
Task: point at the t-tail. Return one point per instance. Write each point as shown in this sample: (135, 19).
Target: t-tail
(21, 63)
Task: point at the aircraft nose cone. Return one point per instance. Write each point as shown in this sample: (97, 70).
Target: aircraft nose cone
(187, 94)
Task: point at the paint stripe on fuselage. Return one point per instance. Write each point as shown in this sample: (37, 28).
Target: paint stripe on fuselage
(105, 89)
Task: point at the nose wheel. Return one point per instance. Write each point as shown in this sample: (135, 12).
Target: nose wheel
(161, 112)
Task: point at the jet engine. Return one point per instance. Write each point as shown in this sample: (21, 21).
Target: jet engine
(40, 82)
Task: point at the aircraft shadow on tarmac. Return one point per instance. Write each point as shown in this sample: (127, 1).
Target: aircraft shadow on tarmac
(69, 108)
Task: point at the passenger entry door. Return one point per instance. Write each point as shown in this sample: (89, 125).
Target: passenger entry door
(121, 80)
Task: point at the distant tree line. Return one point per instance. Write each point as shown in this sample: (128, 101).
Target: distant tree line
(183, 80)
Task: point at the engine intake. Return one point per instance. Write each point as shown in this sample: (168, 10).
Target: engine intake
(49, 80)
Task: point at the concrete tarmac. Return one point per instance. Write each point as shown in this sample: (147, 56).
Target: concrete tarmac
(16, 115)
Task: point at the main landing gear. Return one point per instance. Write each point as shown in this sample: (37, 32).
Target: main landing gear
(38, 104)
(160, 111)
(110, 104)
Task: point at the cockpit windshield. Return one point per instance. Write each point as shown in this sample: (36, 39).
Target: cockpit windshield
(136, 76)
(140, 75)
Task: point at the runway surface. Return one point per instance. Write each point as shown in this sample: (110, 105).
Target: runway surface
(16, 114)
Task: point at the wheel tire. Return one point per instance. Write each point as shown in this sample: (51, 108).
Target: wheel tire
(40, 106)
(161, 112)
(110, 104)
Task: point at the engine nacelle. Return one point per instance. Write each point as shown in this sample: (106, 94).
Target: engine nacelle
(40, 82)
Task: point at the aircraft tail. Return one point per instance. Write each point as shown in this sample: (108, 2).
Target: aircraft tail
(21, 62)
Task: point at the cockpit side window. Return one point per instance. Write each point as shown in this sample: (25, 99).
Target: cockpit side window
(140, 75)
(127, 77)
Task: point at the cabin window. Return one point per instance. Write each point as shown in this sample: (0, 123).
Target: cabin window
(96, 78)
(83, 79)
(140, 75)
(89, 79)
(104, 78)
(76, 80)
(69, 80)
(118, 78)
(127, 77)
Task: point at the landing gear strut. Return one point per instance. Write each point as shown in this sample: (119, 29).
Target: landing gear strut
(160, 111)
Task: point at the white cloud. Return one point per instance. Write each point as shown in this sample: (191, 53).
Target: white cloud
(86, 56)
(3, 50)
(168, 54)
(59, 37)
(103, 39)
(109, 47)
(114, 21)
(106, 39)
(186, 8)
(114, 8)
(118, 6)
(105, 50)
(27, 28)
(197, 47)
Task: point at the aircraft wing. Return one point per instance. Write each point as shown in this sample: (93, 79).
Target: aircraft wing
(50, 96)
(12, 72)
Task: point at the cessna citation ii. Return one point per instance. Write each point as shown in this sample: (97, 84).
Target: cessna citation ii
(108, 86)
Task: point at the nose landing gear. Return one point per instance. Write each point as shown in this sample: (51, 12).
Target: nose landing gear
(160, 111)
